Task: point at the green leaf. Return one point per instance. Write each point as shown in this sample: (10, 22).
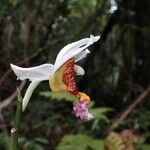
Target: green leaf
(80, 142)
(97, 145)
(59, 96)
(99, 115)
(2, 139)
(41, 140)
(99, 112)
(145, 147)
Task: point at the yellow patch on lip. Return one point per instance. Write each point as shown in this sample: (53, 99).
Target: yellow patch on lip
(56, 83)
(63, 79)
(83, 96)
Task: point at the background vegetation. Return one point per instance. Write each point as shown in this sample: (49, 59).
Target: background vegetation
(117, 71)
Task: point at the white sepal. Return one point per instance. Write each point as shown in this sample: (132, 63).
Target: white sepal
(29, 93)
(38, 73)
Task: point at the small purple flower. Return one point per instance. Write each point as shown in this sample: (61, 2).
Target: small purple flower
(81, 111)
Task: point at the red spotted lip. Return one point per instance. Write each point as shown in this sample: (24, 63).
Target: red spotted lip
(69, 78)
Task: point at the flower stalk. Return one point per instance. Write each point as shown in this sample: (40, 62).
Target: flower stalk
(16, 128)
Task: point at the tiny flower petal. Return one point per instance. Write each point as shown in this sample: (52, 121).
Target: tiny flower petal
(28, 93)
(79, 70)
(38, 73)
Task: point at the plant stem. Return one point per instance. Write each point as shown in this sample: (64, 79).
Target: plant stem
(16, 128)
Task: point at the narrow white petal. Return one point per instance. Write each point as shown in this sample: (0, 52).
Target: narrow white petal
(71, 47)
(79, 70)
(38, 73)
(74, 49)
(28, 93)
(81, 55)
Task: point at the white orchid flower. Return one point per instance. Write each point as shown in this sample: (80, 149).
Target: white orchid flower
(60, 75)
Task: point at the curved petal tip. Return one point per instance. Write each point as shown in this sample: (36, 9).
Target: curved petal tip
(94, 38)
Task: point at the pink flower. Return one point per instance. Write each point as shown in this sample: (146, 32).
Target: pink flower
(81, 111)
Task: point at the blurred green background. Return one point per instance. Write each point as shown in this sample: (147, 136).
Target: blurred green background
(32, 32)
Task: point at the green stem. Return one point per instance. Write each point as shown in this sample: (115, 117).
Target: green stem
(16, 128)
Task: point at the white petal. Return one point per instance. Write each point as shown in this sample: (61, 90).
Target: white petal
(73, 50)
(38, 73)
(81, 55)
(28, 93)
(79, 70)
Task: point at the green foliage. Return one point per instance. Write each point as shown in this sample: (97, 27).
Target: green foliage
(59, 96)
(142, 142)
(143, 120)
(2, 140)
(80, 142)
(113, 141)
(99, 115)
(141, 145)
(144, 147)
(33, 144)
